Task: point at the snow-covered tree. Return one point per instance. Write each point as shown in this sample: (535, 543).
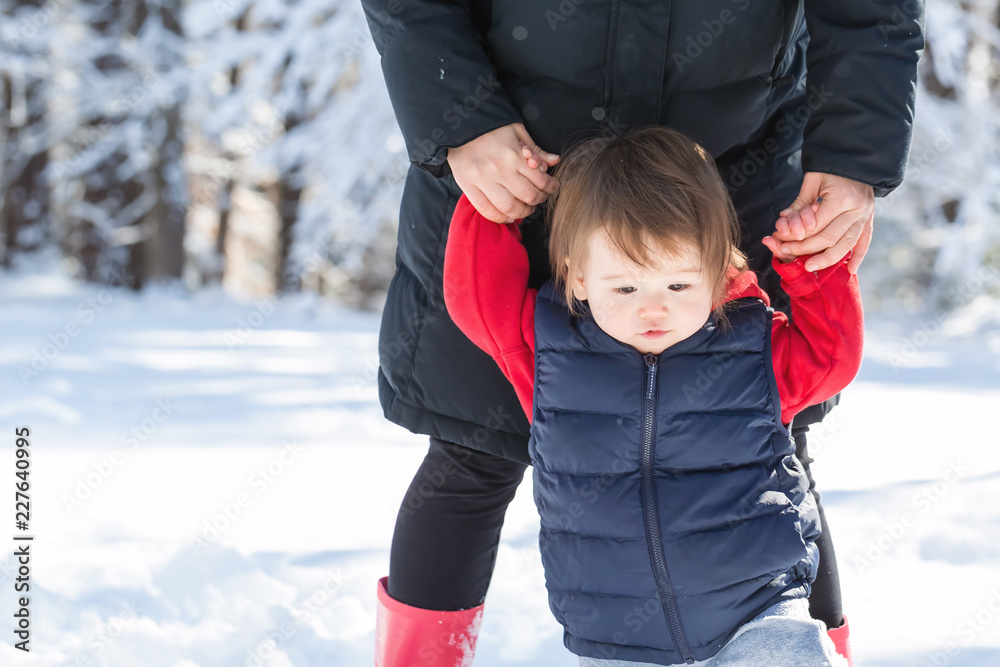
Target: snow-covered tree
(290, 95)
(937, 238)
(118, 186)
(24, 68)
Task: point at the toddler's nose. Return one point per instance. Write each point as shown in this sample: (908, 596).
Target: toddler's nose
(653, 311)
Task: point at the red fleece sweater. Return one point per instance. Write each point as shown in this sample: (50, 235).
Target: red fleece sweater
(487, 295)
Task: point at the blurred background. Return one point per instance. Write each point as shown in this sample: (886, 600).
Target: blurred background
(250, 143)
(238, 142)
(198, 209)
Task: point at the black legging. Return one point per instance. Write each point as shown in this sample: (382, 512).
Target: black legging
(448, 530)
(824, 602)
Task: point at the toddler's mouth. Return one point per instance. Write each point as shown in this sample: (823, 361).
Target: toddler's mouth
(655, 333)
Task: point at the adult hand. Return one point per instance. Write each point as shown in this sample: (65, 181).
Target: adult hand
(503, 173)
(843, 219)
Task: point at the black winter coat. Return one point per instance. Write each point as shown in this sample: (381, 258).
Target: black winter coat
(731, 74)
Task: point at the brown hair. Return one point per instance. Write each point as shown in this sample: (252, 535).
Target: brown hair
(652, 184)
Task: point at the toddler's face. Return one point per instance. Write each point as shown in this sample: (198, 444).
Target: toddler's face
(649, 308)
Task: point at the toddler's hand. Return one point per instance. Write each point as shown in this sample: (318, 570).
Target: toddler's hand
(534, 161)
(797, 226)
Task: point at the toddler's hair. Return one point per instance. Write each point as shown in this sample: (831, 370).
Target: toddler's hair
(650, 186)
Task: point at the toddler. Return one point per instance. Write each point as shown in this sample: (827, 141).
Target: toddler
(676, 522)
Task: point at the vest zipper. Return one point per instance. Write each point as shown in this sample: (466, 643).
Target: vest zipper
(651, 515)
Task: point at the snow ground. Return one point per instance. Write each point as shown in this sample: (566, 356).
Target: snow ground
(161, 414)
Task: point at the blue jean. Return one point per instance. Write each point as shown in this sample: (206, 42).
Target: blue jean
(783, 635)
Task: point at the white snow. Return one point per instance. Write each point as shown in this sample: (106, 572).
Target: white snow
(164, 414)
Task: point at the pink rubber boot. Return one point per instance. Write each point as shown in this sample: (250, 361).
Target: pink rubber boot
(408, 636)
(841, 639)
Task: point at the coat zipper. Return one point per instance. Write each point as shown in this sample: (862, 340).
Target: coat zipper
(651, 515)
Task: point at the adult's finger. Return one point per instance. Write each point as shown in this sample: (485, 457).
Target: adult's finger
(774, 246)
(808, 192)
(838, 250)
(507, 203)
(531, 186)
(537, 159)
(522, 134)
(847, 224)
(484, 205)
(861, 249)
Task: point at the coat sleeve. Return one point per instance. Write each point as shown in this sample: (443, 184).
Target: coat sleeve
(487, 295)
(818, 352)
(443, 88)
(861, 88)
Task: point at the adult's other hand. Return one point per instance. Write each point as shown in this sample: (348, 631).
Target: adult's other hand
(503, 173)
(843, 221)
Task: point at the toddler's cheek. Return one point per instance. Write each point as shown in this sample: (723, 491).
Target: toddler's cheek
(607, 317)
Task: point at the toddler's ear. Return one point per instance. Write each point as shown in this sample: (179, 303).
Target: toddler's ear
(578, 284)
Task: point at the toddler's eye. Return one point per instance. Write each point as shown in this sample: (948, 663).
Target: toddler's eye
(624, 290)
(678, 287)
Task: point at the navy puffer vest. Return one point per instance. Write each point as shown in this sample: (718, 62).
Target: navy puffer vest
(672, 506)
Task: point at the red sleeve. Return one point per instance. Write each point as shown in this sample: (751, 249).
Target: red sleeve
(487, 295)
(818, 353)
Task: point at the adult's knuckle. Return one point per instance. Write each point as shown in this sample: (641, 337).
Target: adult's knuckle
(827, 237)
